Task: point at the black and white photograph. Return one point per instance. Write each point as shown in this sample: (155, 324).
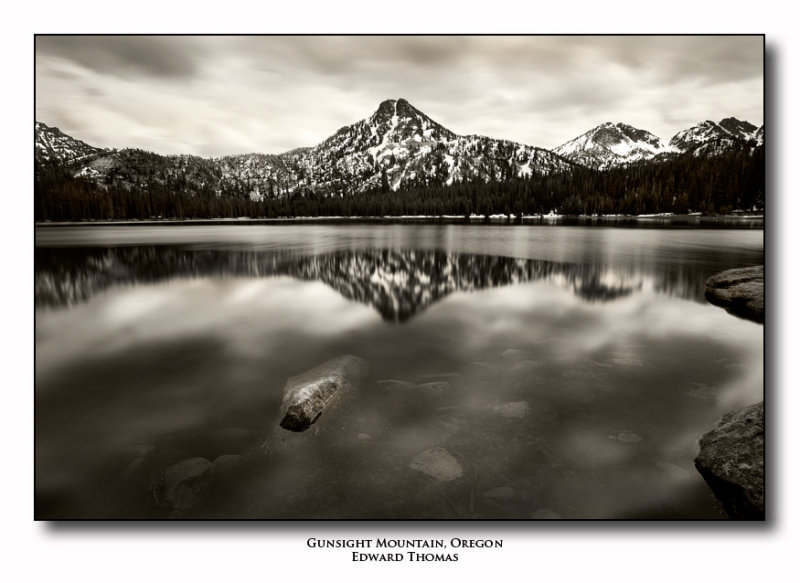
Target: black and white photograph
(400, 277)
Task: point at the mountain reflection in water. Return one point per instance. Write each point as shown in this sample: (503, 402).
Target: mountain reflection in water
(397, 283)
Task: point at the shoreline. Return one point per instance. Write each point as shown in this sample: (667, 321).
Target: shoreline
(622, 220)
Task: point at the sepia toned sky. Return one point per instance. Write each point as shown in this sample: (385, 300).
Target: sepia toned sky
(217, 95)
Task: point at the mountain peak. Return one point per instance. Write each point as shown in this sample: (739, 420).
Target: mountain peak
(386, 107)
(399, 145)
(728, 132)
(53, 144)
(737, 127)
(612, 144)
(400, 107)
(396, 121)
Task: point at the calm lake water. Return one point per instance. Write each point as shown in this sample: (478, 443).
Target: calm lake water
(575, 369)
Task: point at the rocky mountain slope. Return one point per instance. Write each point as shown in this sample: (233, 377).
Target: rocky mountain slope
(707, 138)
(400, 146)
(612, 144)
(397, 146)
(51, 144)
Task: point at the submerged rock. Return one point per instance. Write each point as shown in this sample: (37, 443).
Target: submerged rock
(515, 410)
(438, 464)
(307, 394)
(137, 456)
(226, 464)
(739, 291)
(146, 470)
(212, 443)
(731, 460)
(182, 484)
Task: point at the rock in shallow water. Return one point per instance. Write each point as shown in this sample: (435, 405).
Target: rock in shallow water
(438, 464)
(731, 460)
(307, 394)
(739, 291)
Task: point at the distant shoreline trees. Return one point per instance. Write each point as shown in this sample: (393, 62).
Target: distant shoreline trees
(731, 181)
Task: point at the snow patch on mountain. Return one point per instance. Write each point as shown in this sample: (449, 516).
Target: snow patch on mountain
(611, 144)
(408, 148)
(396, 147)
(708, 137)
(54, 145)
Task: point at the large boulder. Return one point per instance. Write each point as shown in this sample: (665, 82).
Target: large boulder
(739, 291)
(307, 394)
(731, 461)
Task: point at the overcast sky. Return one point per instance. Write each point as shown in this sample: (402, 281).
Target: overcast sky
(212, 96)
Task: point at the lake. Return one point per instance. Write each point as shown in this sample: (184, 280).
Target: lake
(560, 371)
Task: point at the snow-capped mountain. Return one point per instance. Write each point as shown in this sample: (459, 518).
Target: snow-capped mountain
(613, 144)
(742, 129)
(397, 146)
(708, 137)
(54, 145)
(400, 146)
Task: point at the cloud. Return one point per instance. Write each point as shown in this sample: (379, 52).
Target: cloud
(122, 56)
(229, 94)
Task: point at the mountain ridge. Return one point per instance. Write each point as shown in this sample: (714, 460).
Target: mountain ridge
(615, 144)
(707, 137)
(396, 147)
